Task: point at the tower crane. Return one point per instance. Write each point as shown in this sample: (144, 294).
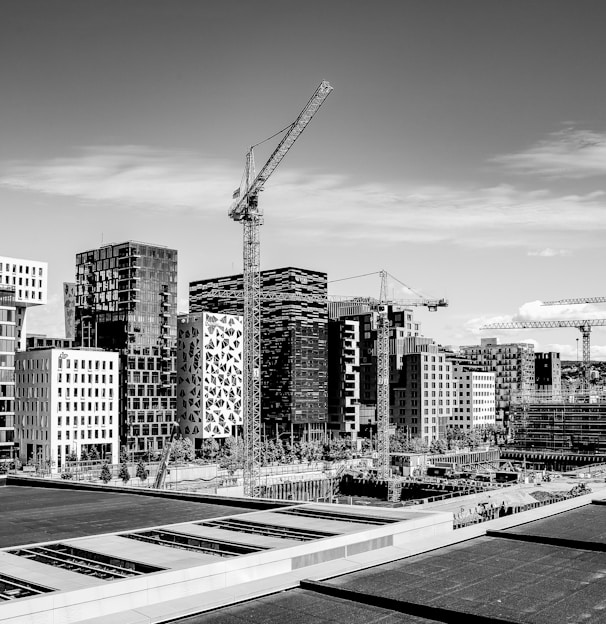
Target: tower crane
(584, 326)
(245, 209)
(381, 306)
(575, 301)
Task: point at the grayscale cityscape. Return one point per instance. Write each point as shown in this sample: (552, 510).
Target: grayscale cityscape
(252, 374)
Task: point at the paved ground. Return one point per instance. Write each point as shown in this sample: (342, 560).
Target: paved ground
(29, 514)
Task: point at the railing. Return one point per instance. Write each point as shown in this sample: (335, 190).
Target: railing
(482, 513)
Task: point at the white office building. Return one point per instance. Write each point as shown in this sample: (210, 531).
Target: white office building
(66, 403)
(474, 405)
(209, 375)
(22, 285)
(27, 279)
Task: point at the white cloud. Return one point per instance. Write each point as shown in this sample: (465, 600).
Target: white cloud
(567, 153)
(326, 207)
(535, 311)
(128, 174)
(548, 252)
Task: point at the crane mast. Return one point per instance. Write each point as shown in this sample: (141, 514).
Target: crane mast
(246, 209)
(381, 306)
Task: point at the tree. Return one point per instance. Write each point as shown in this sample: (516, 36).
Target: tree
(210, 450)
(438, 446)
(106, 475)
(124, 474)
(94, 454)
(232, 454)
(182, 451)
(142, 471)
(72, 457)
(83, 454)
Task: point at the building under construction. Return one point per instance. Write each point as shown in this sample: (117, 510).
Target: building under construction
(573, 422)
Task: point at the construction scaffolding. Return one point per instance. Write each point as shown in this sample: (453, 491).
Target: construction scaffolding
(561, 422)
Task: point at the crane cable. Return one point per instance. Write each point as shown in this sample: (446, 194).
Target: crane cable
(250, 149)
(412, 290)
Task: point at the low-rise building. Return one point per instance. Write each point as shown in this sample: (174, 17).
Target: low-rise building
(571, 423)
(66, 403)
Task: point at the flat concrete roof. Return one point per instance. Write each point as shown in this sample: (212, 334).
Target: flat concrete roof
(300, 606)
(516, 575)
(88, 560)
(36, 514)
(547, 570)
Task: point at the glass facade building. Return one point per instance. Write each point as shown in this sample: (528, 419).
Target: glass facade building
(7, 372)
(126, 301)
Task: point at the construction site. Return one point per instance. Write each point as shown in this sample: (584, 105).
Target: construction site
(163, 541)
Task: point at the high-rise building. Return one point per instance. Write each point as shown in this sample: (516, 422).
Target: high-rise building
(66, 403)
(513, 365)
(474, 403)
(344, 412)
(7, 373)
(27, 279)
(126, 301)
(548, 373)
(209, 375)
(293, 347)
(22, 285)
(421, 383)
(423, 391)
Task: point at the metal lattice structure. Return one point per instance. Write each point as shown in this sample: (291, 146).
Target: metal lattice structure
(252, 358)
(246, 210)
(575, 301)
(583, 326)
(381, 307)
(383, 391)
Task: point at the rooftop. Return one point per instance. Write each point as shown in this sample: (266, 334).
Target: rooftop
(35, 514)
(211, 563)
(549, 571)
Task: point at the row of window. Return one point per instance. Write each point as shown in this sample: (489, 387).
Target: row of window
(92, 364)
(19, 268)
(98, 434)
(89, 392)
(82, 378)
(85, 406)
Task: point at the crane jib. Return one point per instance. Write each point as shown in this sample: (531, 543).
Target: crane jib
(285, 144)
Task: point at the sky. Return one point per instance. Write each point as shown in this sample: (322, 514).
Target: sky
(463, 148)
